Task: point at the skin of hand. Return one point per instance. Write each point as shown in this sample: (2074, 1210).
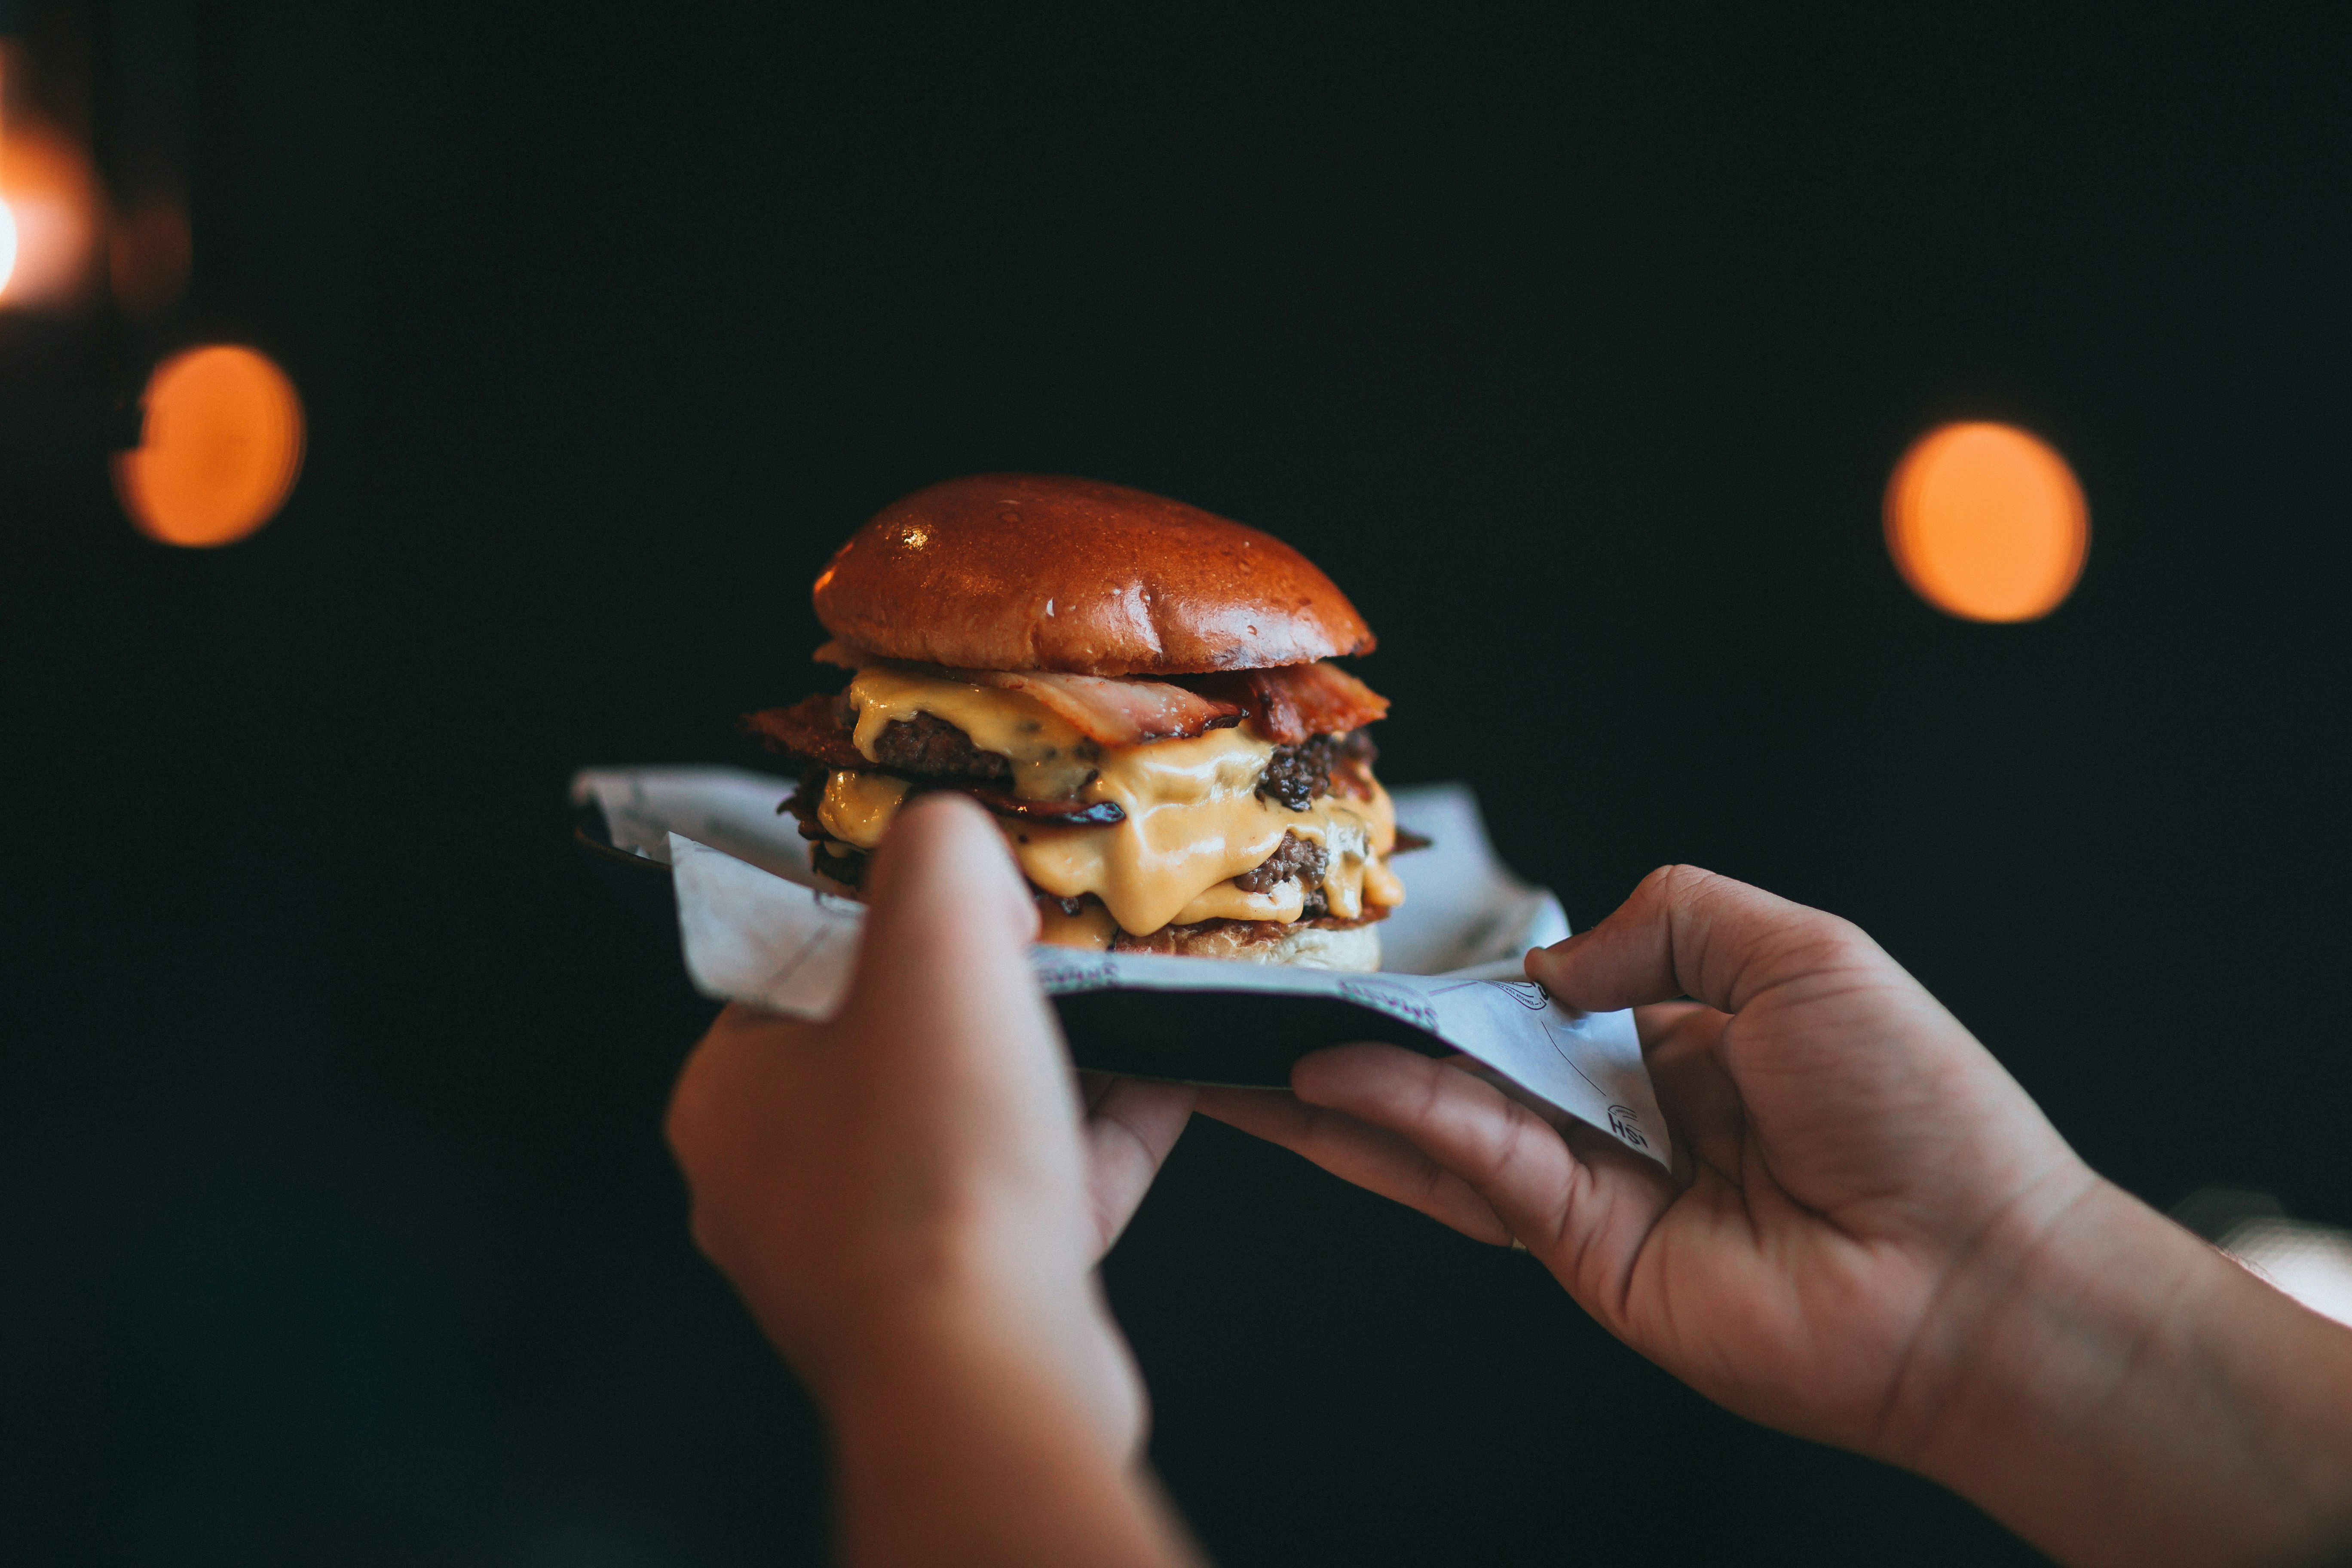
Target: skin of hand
(911, 1199)
(1877, 1240)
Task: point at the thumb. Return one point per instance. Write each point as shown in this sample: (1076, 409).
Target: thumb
(1688, 932)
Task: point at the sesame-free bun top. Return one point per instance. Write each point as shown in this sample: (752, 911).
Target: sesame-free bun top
(1039, 572)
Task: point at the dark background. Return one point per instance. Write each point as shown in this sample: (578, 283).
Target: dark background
(337, 1225)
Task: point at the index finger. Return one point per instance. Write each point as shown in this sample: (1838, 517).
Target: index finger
(1689, 932)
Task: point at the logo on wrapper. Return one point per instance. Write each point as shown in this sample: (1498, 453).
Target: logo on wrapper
(1525, 992)
(1623, 1122)
(1404, 1006)
(1062, 976)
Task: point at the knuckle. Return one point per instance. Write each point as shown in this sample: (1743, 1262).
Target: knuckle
(1662, 882)
(1497, 1144)
(1833, 941)
(1432, 1095)
(1682, 881)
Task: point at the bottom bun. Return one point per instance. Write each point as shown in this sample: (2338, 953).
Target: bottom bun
(1353, 948)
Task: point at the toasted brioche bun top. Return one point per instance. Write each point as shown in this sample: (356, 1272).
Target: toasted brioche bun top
(1038, 572)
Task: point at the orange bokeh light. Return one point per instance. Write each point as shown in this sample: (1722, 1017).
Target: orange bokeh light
(1987, 522)
(220, 445)
(53, 206)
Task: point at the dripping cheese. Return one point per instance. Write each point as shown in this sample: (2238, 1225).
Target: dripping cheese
(1193, 819)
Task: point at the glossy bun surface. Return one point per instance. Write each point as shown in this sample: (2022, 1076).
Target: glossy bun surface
(1040, 571)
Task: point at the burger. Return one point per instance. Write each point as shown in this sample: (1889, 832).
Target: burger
(1140, 690)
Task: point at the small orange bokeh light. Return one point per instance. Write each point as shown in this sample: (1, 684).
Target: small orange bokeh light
(220, 444)
(1987, 522)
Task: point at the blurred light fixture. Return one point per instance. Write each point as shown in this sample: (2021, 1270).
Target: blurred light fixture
(7, 244)
(1987, 522)
(220, 445)
(53, 206)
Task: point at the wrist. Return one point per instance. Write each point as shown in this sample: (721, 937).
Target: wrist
(2120, 1392)
(914, 1354)
(997, 1317)
(2050, 1308)
(980, 1437)
(896, 1309)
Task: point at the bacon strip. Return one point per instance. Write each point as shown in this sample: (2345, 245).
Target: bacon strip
(1285, 705)
(1302, 699)
(1114, 712)
(809, 729)
(1291, 703)
(1108, 711)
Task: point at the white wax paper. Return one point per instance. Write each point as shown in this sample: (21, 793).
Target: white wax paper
(755, 929)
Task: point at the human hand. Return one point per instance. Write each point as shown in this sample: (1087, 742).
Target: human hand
(916, 1182)
(1880, 1242)
(1851, 1148)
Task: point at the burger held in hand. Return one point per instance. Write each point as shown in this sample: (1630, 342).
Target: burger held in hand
(1135, 687)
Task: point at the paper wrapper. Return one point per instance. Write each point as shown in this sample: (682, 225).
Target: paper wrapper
(755, 929)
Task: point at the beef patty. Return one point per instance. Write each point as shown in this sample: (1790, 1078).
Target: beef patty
(1294, 856)
(1296, 776)
(930, 748)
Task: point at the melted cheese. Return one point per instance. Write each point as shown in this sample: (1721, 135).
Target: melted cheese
(1090, 927)
(1285, 903)
(857, 808)
(1380, 884)
(1050, 758)
(1194, 820)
